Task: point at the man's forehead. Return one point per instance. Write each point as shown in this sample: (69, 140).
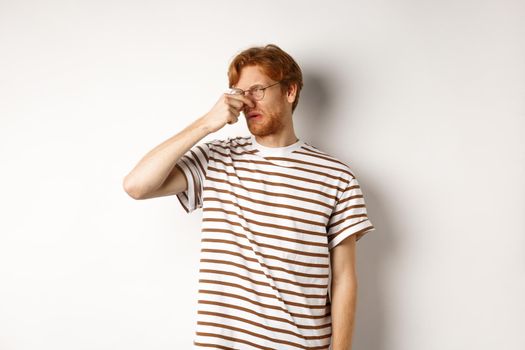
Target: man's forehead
(250, 76)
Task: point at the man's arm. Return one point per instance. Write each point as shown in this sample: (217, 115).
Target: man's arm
(148, 178)
(156, 175)
(344, 293)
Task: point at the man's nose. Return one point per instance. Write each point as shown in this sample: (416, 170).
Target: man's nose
(247, 106)
(247, 109)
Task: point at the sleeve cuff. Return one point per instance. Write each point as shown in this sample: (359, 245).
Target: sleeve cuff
(187, 197)
(359, 229)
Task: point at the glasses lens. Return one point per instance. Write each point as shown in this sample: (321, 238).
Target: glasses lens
(258, 93)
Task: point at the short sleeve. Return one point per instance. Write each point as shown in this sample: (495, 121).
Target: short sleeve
(349, 216)
(194, 166)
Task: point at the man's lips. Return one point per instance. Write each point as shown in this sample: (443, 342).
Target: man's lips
(253, 115)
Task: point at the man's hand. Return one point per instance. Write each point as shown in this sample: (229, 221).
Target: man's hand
(226, 110)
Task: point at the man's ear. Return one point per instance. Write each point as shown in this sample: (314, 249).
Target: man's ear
(291, 93)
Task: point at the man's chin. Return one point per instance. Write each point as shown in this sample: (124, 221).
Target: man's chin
(261, 132)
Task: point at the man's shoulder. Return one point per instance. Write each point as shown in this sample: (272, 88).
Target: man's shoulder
(229, 140)
(326, 159)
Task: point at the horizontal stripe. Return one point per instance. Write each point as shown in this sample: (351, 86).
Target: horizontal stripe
(265, 213)
(262, 306)
(216, 191)
(266, 256)
(239, 340)
(281, 238)
(314, 190)
(207, 345)
(273, 318)
(270, 246)
(284, 175)
(269, 194)
(273, 279)
(271, 337)
(257, 324)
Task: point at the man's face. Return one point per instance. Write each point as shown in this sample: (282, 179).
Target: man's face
(273, 111)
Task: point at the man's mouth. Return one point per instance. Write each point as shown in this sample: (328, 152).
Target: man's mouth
(255, 115)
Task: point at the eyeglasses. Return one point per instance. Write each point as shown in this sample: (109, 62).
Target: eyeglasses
(257, 91)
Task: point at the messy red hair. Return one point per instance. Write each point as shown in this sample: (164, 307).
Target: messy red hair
(274, 62)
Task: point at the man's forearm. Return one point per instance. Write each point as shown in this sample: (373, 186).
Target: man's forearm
(155, 166)
(344, 300)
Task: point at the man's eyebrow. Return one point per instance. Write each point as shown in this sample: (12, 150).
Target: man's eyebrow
(258, 84)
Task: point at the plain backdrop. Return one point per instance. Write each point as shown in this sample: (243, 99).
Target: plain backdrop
(423, 99)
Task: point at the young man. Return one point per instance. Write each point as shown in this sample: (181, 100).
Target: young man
(280, 217)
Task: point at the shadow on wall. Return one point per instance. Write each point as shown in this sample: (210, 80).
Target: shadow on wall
(314, 104)
(316, 116)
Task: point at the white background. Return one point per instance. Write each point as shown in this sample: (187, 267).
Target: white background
(423, 99)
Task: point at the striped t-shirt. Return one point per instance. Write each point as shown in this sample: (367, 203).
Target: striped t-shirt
(270, 216)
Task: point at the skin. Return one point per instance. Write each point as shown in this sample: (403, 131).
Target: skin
(344, 293)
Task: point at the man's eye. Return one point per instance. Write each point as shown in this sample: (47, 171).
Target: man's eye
(256, 89)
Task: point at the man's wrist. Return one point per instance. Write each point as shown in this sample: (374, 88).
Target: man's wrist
(202, 126)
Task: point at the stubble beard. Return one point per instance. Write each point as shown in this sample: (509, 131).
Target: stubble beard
(271, 123)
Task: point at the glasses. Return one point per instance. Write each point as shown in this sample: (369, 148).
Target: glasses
(257, 91)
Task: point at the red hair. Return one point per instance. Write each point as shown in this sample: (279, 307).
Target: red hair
(274, 62)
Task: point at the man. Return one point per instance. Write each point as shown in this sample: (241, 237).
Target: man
(280, 217)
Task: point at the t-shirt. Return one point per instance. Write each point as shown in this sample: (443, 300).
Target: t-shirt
(270, 217)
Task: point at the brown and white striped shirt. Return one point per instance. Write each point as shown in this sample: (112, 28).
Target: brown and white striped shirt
(271, 215)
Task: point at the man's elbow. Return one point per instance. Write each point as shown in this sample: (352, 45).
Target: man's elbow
(131, 189)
